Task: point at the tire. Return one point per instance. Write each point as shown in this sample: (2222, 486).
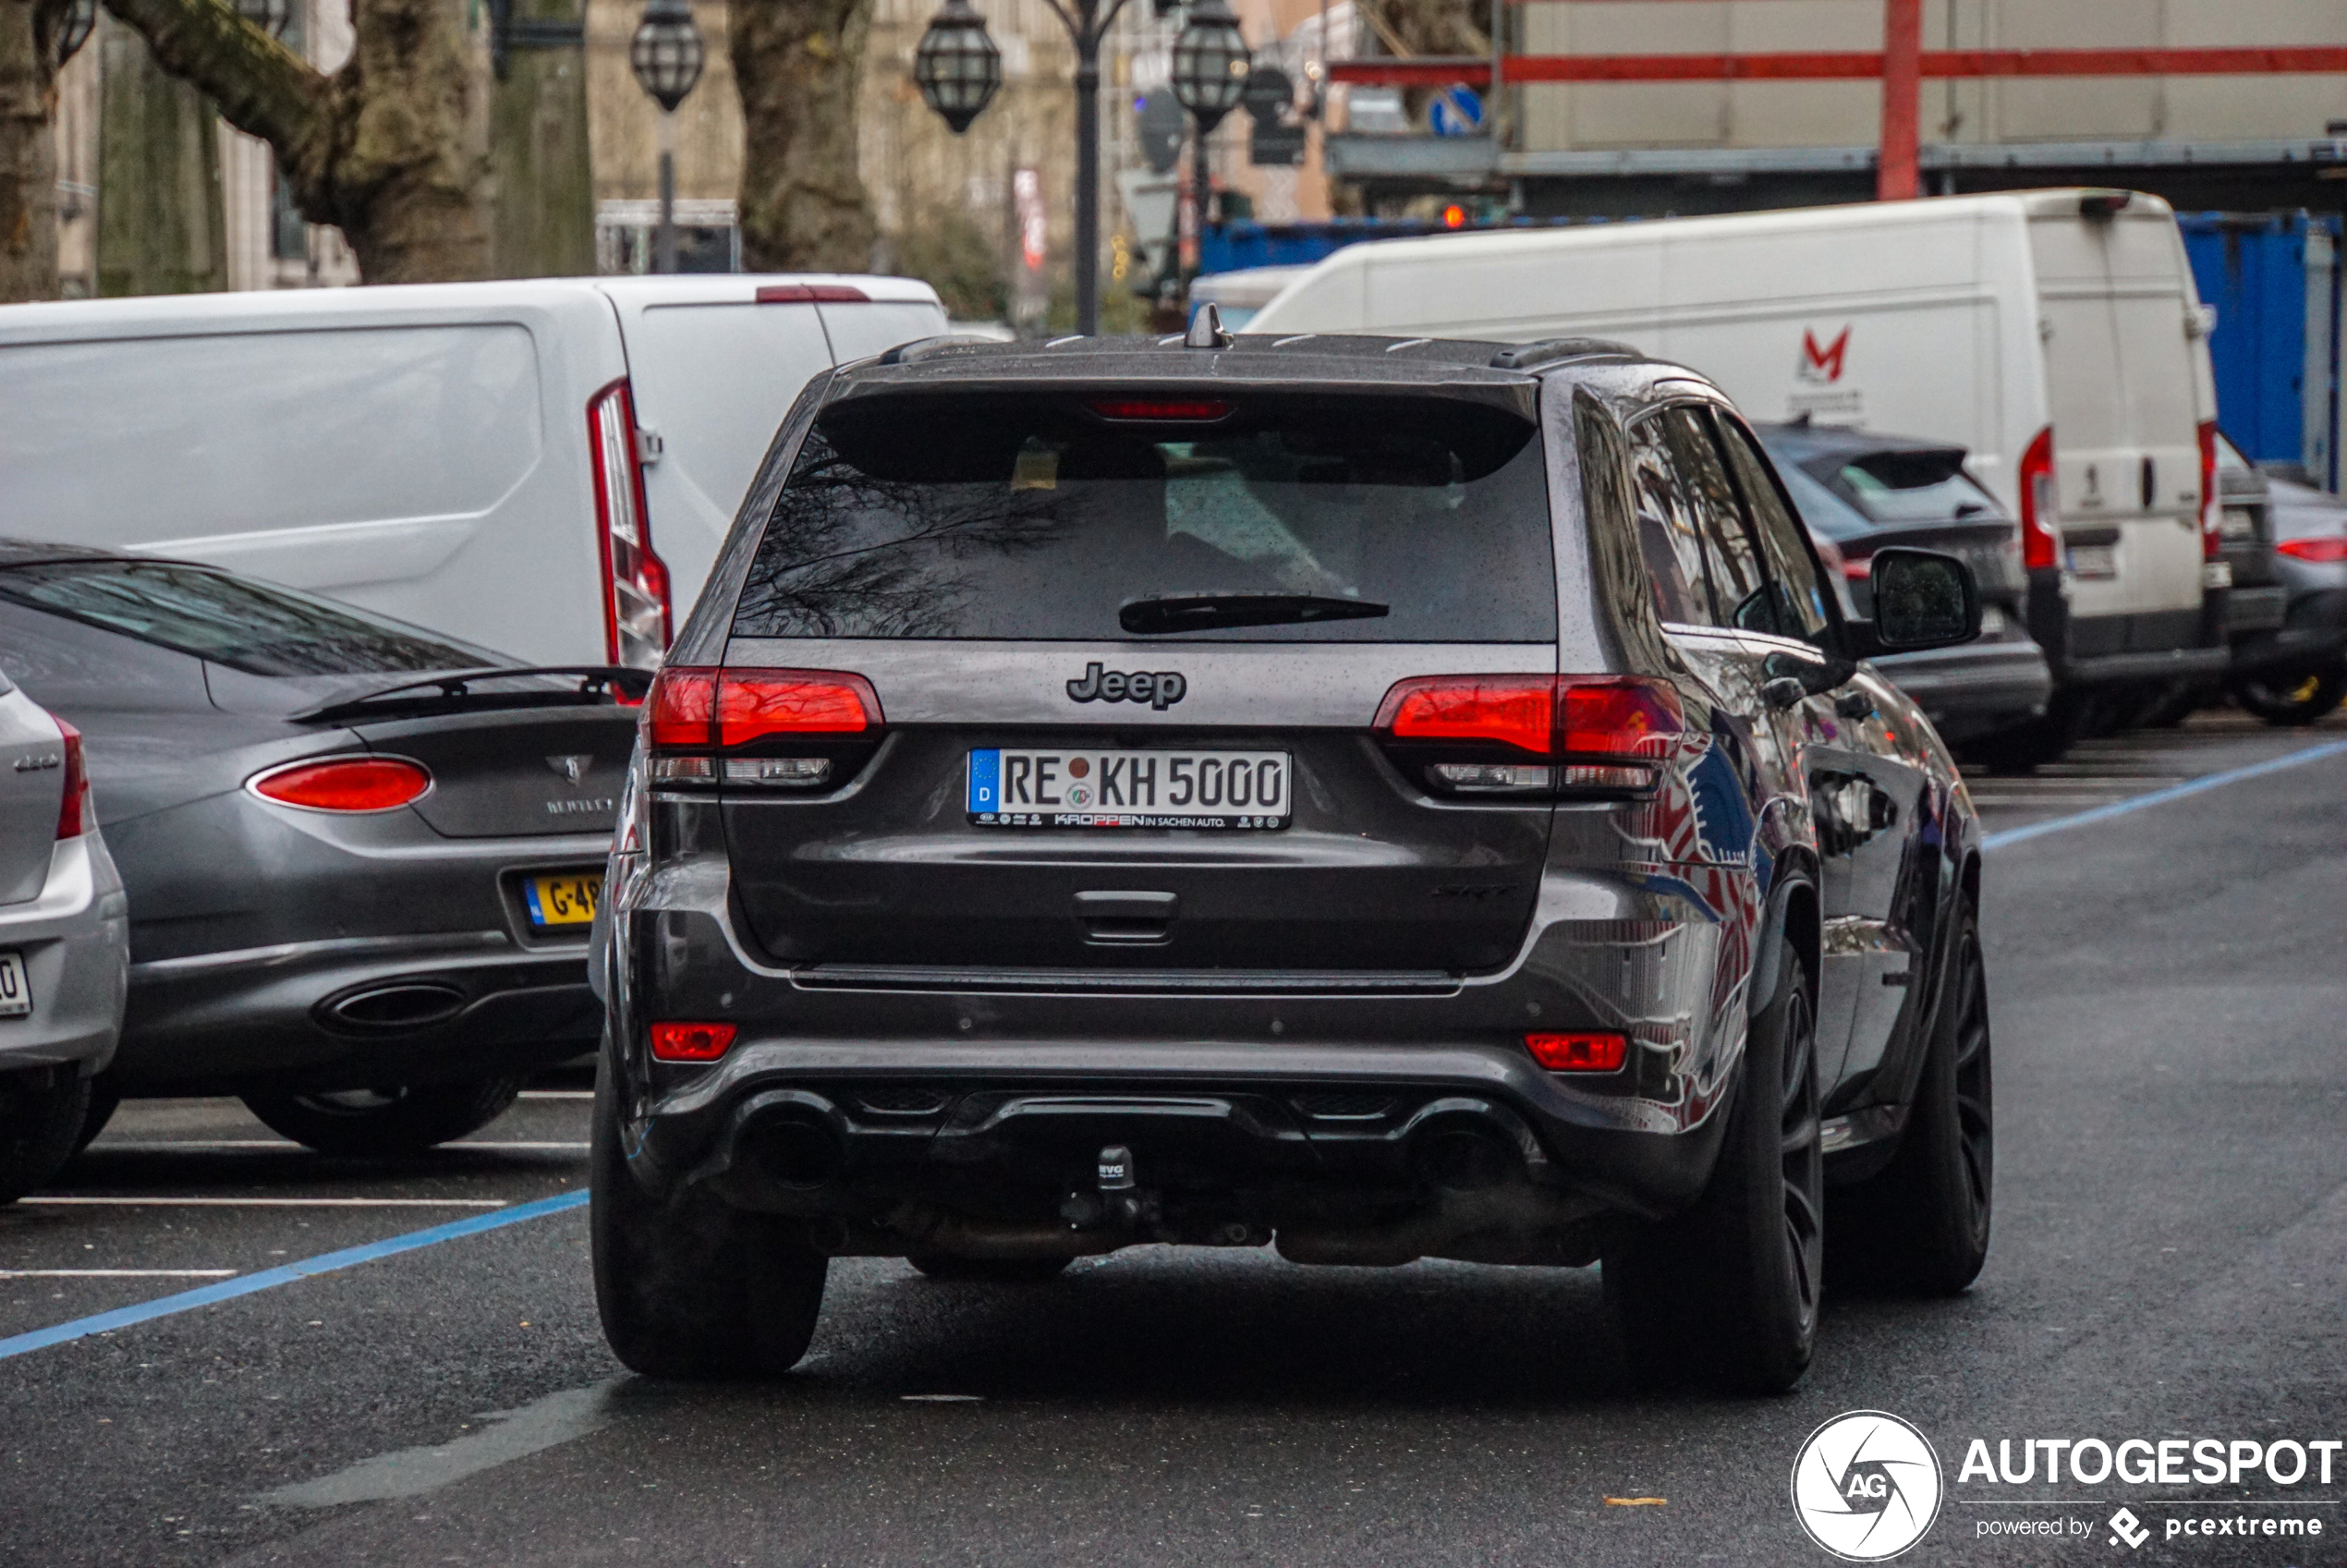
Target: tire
(104, 1102)
(1727, 1293)
(375, 1122)
(41, 1114)
(694, 1290)
(1921, 1224)
(989, 1271)
(2288, 701)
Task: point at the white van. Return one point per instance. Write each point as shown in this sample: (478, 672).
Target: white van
(2056, 334)
(542, 466)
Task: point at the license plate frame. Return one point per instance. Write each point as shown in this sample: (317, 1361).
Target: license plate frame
(2094, 563)
(16, 986)
(572, 897)
(1114, 787)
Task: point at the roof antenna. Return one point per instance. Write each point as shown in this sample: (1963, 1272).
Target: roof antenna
(1206, 328)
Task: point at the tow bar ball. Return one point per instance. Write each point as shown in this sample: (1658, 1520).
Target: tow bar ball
(1117, 1200)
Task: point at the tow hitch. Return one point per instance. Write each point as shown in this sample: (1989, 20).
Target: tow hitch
(1117, 1199)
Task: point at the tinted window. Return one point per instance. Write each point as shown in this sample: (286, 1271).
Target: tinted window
(256, 627)
(1668, 539)
(1369, 519)
(1927, 486)
(1800, 598)
(1738, 585)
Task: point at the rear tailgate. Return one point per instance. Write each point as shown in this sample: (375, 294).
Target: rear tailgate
(514, 772)
(990, 568)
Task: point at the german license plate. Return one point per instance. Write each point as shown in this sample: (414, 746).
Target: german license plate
(1226, 790)
(16, 992)
(2094, 560)
(564, 901)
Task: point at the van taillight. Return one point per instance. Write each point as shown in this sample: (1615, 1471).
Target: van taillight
(692, 714)
(1531, 734)
(73, 811)
(635, 582)
(2212, 512)
(2040, 546)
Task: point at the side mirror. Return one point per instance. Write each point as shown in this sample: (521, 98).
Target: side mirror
(1922, 599)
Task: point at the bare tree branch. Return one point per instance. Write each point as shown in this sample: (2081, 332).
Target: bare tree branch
(259, 85)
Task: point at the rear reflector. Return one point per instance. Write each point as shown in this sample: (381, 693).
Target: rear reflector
(812, 294)
(691, 1042)
(1579, 1053)
(356, 783)
(73, 811)
(1173, 408)
(696, 709)
(1546, 715)
(2329, 549)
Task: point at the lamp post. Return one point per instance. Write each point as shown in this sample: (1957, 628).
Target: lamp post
(667, 54)
(1211, 68)
(958, 70)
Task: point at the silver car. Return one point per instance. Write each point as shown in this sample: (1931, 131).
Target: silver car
(64, 944)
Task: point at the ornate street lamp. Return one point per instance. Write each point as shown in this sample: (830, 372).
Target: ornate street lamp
(1211, 63)
(73, 30)
(958, 66)
(667, 54)
(957, 69)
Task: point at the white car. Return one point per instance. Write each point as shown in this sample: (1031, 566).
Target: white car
(64, 944)
(544, 466)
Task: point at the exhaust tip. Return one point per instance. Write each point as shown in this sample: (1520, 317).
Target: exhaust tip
(1459, 1155)
(393, 1007)
(792, 1150)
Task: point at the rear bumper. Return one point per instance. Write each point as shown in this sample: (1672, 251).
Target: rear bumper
(353, 1012)
(74, 942)
(2155, 647)
(2312, 632)
(1975, 690)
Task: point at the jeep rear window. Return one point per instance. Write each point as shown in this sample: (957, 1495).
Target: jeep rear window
(1315, 519)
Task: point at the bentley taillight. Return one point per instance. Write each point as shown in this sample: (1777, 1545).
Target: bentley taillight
(345, 783)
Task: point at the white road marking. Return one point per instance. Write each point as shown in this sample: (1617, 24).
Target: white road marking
(558, 1094)
(116, 1274)
(110, 1201)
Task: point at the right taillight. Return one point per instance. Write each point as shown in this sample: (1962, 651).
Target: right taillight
(2040, 547)
(694, 715)
(73, 811)
(636, 611)
(1531, 734)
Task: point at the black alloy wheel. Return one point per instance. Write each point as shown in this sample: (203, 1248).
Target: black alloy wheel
(2289, 702)
(393, 1120)
(946, 1266)
(1921, 1225)
(1729, 1292)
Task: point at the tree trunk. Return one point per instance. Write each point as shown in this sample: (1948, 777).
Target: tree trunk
(161, 228)
(799, 64)
(392, 147)
(28, 149)
(545, 206)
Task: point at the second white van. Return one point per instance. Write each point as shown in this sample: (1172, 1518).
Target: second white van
(2056, 334)
(544, 466)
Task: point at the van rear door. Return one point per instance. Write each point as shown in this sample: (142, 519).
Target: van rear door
(2115, 300)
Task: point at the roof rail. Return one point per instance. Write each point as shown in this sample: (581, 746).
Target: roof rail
(1548, 350)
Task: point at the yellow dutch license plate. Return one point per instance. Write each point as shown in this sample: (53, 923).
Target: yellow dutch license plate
(564, 901)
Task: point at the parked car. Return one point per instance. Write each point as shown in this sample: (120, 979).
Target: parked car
(63, 947)
(421, 450)
(2303, 674)
(1121, 793)
(2056, 336)
(1861, 490)
(361, 858)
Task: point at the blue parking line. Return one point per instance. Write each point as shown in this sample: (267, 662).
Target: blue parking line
(285, 1275)
(2161, 796)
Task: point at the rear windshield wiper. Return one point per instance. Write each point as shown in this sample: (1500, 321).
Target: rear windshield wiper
(454, 691)
(1213, 611)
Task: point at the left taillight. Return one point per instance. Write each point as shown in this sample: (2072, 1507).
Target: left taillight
(73, 811)
(804, 728)
(636, 611)
(349, 784)
(1531, 734)
(2212, 511)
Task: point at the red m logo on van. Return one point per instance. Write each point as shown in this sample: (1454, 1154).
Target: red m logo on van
(1821, 364)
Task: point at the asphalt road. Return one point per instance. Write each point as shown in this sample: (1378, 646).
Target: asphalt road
(2169, 1262)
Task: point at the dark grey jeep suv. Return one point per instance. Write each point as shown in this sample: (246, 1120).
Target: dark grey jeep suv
(1381, 798)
